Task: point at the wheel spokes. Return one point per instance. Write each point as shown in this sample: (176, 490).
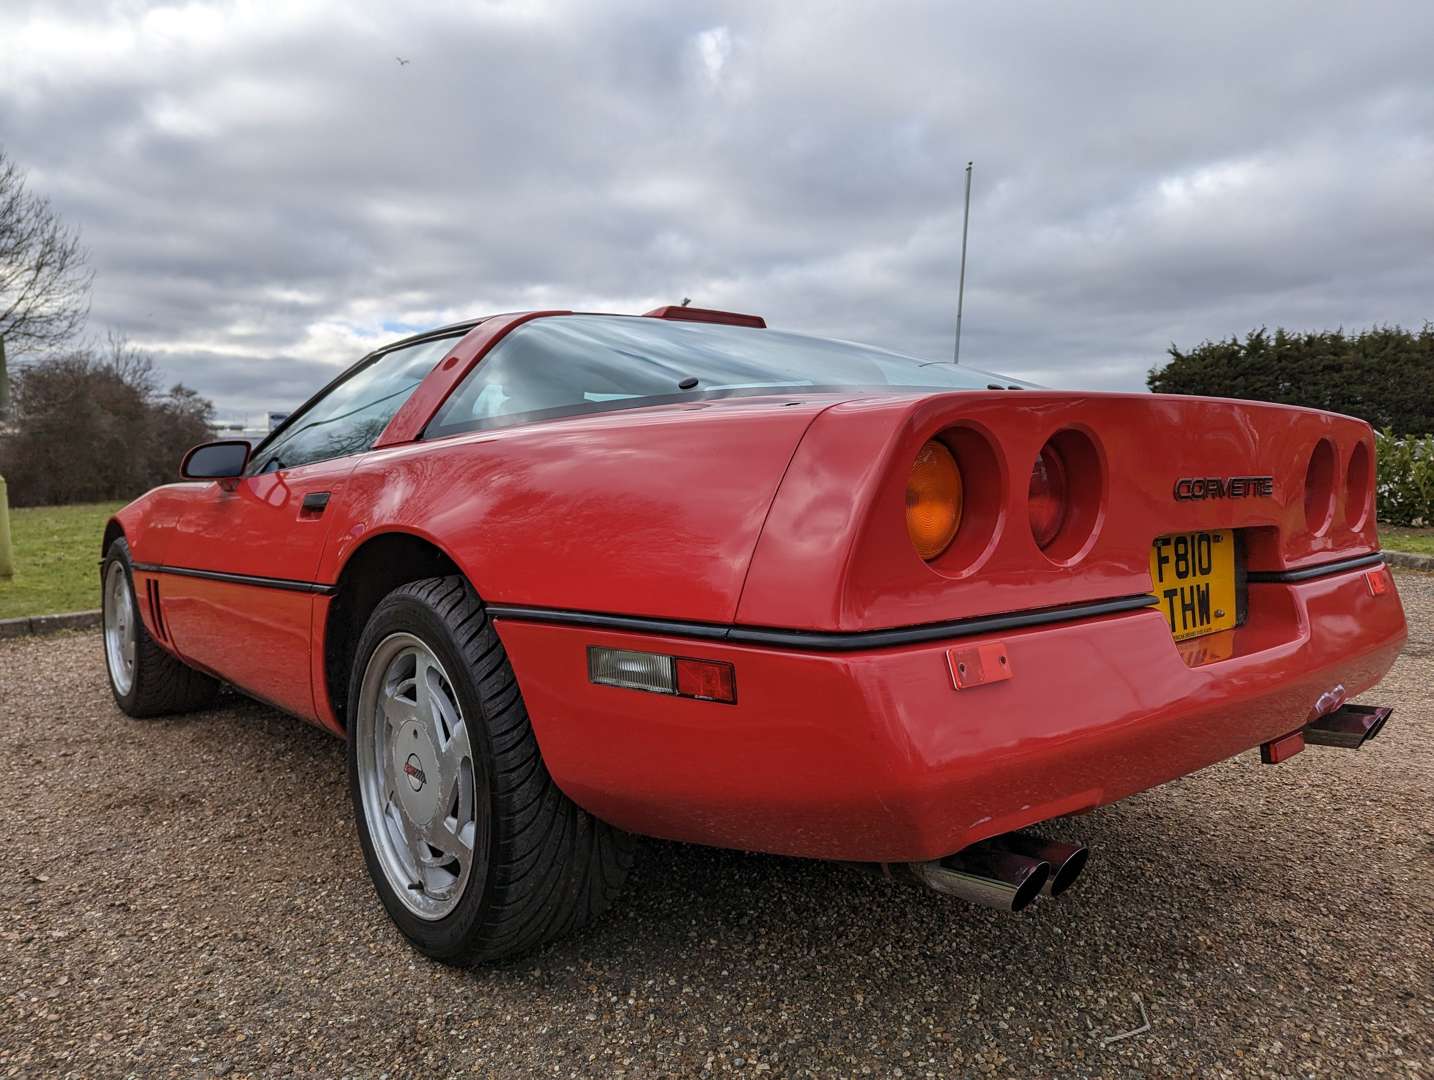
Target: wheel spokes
(127, 643)
(435, 704)
(422, 778)
(451, 757)
(453, 838)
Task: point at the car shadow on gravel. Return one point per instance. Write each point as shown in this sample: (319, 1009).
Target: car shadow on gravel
(1154, 866)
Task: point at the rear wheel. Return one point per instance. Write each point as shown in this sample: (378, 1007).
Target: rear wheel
(474, 851)
(144, 678)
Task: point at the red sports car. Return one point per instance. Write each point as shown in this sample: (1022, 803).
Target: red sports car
(560, 578)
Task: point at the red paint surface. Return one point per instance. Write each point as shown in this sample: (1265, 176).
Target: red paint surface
(874, 755)
(255, 638)
(649, 512)
(788, 511)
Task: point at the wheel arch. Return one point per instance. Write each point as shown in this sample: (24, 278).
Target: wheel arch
(381, 563)
(113, 531)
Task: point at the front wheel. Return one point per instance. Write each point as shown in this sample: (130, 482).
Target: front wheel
(144, 678)
(473, 850)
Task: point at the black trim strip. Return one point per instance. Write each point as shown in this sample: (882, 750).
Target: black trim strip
(1307, 572)
(826, 640)
(287, 584)
(672, 627)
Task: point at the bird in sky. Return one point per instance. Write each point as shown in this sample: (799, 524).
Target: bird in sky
(401, 61)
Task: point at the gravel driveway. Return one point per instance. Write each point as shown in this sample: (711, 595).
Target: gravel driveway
(187, 898)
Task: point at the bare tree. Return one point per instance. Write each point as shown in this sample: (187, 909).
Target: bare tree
(94, 423)
(44, 270)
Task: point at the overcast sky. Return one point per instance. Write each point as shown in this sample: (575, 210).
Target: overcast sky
(267, 193)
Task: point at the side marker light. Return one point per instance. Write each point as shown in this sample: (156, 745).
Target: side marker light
(680, 676)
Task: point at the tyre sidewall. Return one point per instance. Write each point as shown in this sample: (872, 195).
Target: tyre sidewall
(446, 938)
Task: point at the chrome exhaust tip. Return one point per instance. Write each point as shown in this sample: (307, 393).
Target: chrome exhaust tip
(987, 875)
(1066, 860)
(1349, 727)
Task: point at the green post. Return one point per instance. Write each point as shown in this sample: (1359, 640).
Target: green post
(7, 554)
(7, 557)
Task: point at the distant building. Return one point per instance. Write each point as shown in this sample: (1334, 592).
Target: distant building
(252, 428)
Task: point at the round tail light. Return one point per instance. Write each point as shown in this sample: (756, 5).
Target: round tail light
(933, 500)
(1319, 488)
(1359, 481)
(1049, 496)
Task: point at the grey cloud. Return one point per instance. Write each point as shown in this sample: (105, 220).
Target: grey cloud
(263, 197)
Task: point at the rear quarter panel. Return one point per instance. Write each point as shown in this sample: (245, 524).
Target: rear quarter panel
(650, 512)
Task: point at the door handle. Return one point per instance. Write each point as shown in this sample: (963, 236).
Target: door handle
(314, 504)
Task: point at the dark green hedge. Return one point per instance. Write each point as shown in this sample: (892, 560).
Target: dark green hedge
(1384, 375)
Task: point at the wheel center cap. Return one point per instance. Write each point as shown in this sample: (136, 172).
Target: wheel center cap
(413, 769)
(416, 761)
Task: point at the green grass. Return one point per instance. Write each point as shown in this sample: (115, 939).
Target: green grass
(1417, 541)
(57, 554)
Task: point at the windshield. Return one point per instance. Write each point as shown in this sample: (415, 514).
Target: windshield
(573, 364)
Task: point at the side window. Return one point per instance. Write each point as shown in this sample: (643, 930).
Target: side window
(351, 416)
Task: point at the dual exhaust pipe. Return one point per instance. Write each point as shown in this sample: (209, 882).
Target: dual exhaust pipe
(1005, 872)
(1349, 727)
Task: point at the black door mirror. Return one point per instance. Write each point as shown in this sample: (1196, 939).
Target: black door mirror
(215, 460)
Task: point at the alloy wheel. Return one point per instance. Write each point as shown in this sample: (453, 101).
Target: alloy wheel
(417, 776)
(120, 631)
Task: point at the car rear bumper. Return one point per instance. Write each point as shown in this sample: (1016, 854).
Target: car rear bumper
(875, 755)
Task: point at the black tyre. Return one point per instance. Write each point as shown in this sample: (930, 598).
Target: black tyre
(144, 678)
(474, 851)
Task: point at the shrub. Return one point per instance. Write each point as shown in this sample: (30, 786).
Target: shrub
(1405, 478)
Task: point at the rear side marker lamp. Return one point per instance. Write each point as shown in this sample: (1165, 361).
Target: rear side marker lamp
(680, 676)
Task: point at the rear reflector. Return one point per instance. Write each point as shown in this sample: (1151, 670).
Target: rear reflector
(979, 665)
(710, 680)
(1377, 580)
(705, 680)
(1283, 748)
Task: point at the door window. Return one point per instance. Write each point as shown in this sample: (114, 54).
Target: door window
(352, 415)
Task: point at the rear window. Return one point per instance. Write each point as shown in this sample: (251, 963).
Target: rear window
(574, 364)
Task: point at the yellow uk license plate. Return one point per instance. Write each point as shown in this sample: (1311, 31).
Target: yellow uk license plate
(1194, 576)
